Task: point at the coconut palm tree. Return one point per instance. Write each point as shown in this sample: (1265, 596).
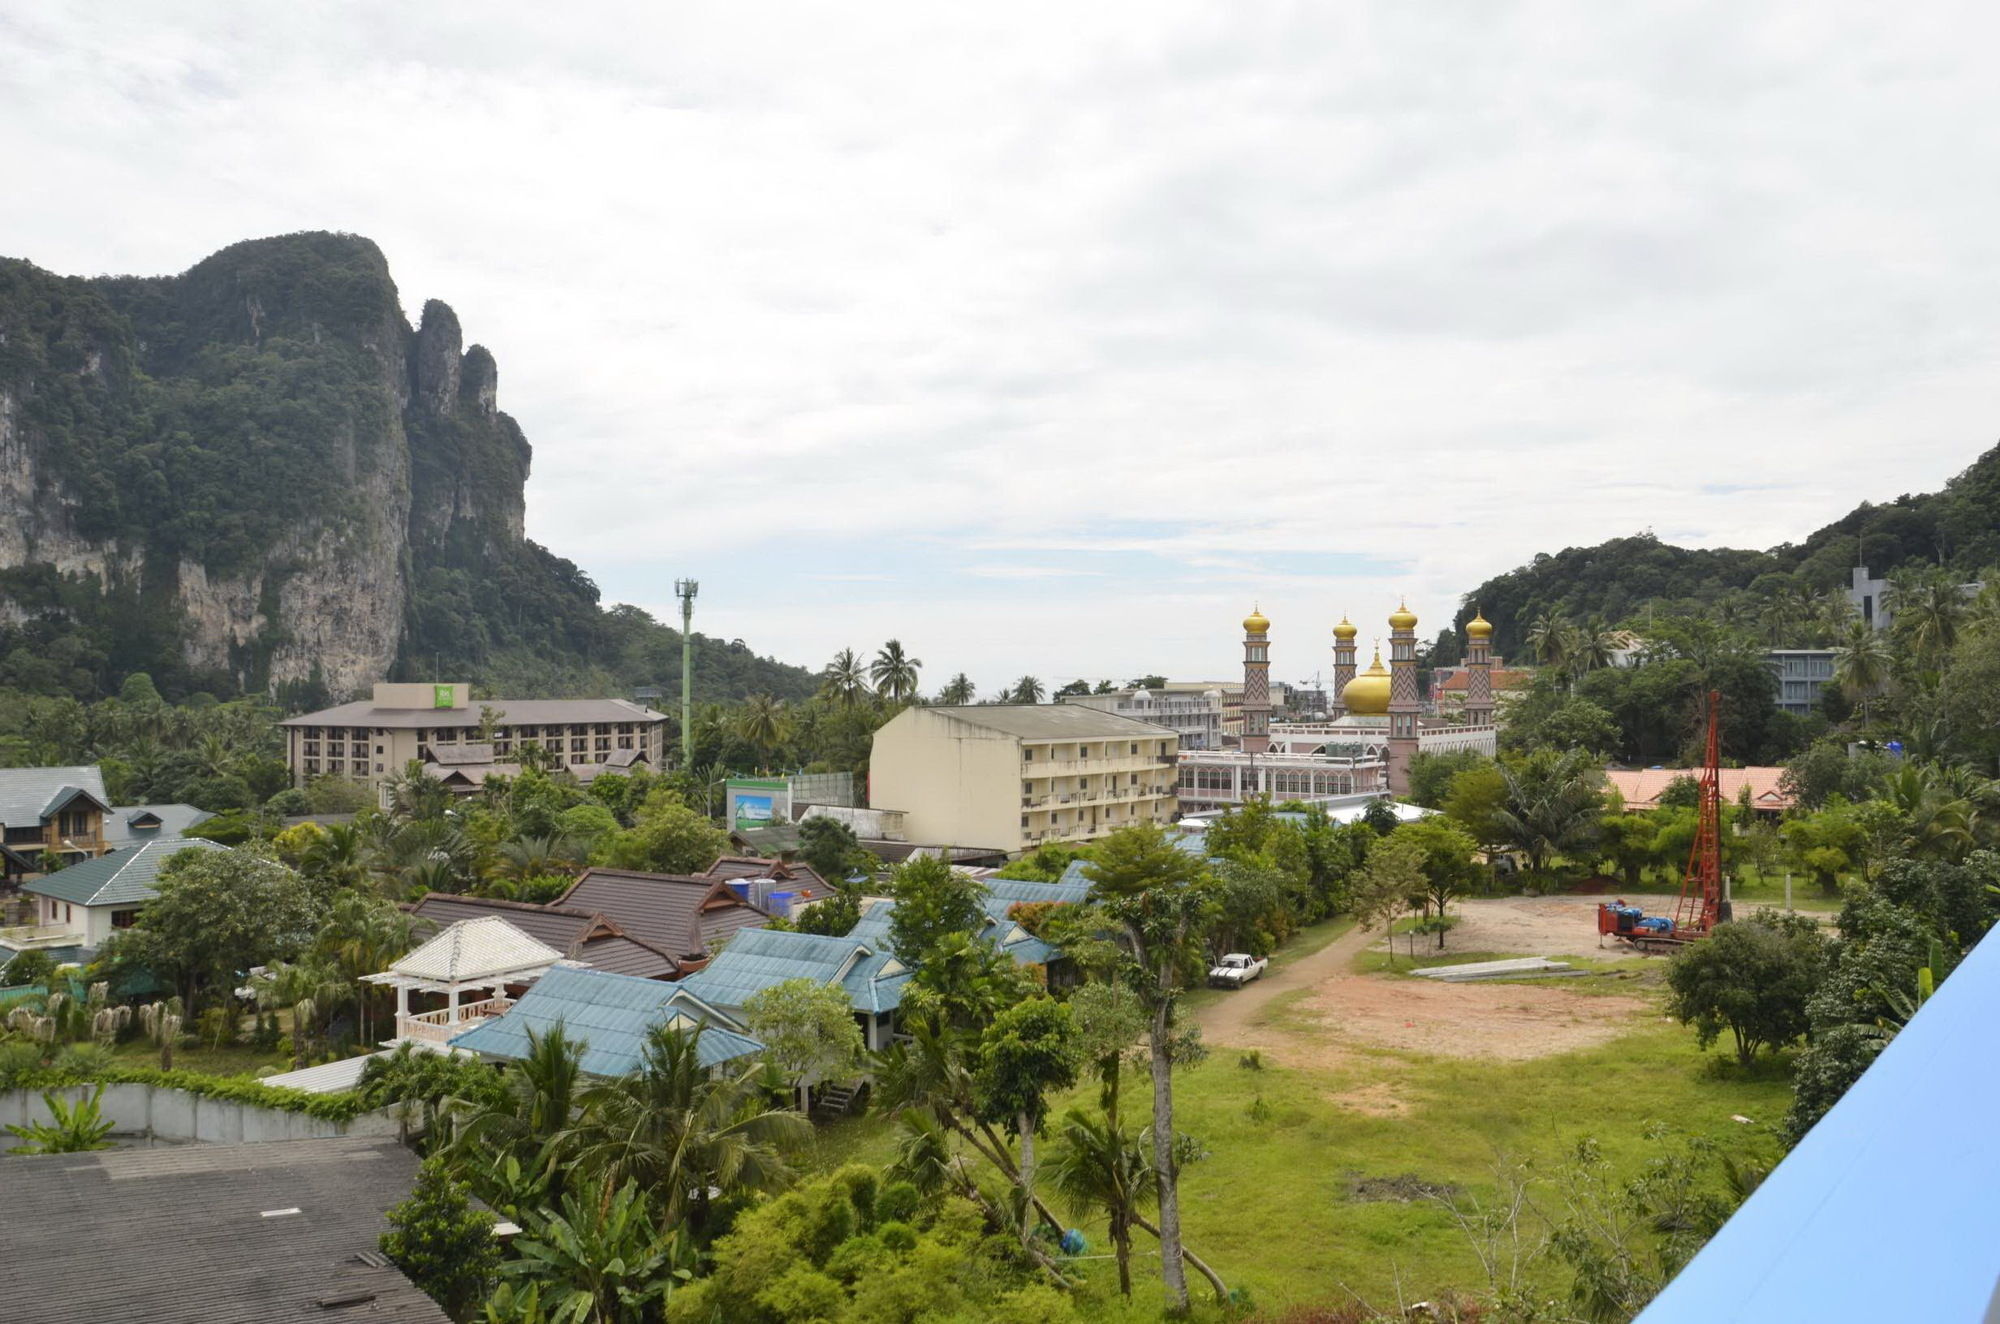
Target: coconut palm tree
(532, 1119)
(957, 691)
(1028, 689)
(1552, 804)
(362, 936)
(1547, 637)
(1861, 663)
(683, 1132)
(1928, 610)
(764, 724)
(845, 679)
(895, 672)
(1097, 1167)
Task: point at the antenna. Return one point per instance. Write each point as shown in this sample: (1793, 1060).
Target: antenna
(685, 589)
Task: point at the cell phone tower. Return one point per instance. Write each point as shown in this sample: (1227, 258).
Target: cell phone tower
(685, 589)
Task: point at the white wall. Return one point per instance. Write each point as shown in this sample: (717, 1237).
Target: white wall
(169, 1114)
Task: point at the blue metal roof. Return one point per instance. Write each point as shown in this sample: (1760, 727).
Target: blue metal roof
(1001, 894)
(756, 959)
(611, 1014)
(1888, 1209)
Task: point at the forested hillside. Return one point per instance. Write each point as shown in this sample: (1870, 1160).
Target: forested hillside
(1616, 582)
(257, 477)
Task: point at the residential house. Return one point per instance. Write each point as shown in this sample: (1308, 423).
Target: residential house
(611, 1015)
(579, 933)
(88, 902)
(130, 825)
(51, 811)
(1007, 777)
(1641, 788)
(688, 917)
(757, 959)
(281, 1232)
(462, 742)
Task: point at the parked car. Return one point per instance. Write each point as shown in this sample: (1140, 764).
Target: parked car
(1237, 969)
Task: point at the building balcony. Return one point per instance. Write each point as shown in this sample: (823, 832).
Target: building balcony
(440, 1026)
(24, 937)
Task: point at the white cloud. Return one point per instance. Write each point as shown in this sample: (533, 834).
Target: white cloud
(869, 310)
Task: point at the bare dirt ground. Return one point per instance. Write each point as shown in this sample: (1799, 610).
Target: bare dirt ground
(1509, 1022)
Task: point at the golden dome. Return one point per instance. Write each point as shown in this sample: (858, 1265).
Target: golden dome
(1368, 693)
(1344, 630)
(1256, 622)
(1403, 618)
(1479, 627)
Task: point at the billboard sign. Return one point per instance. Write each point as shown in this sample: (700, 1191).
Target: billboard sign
(758, 802)
(444, 696)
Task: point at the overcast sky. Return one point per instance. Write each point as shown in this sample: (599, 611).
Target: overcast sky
(1049, 337)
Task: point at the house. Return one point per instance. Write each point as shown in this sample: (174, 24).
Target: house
(612, 1015)
(485, 957)
(281, 1232)
(1641, 788)
(687, 917)
(1006, 777)
(51, 811)
(129, 825)
(797, 877)
(462, 742)
(1001, 929)
(580, 933)
(757, 959)
(88, 902)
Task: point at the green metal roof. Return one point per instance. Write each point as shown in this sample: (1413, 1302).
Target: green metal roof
(611, 1014)
(120, 878)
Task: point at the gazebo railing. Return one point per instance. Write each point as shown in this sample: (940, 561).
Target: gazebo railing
(439, 1026)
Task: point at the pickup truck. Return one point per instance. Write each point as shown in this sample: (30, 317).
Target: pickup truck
(1237, 969)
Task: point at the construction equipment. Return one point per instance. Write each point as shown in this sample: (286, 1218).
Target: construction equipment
(1702, 903)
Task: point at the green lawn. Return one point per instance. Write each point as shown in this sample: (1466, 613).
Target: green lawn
(1302, 944)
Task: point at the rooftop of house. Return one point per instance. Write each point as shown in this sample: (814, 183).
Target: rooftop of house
(611, 1014)
(686, 916)
(759, 958)
(1641, 788)
(1050, 721)
(28, 795)
(512, 712)
(1499, 678)
(471, 951)
(118, 878)
(283, 1232)
(136, 823)
(786, 871)
(578, 932)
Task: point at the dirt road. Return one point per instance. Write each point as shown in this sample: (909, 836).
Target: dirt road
(1227, 1021)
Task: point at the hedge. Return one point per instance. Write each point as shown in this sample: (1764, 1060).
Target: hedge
(230, 1089)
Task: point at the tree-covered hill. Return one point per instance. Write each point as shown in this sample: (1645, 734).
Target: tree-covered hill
(1621, 580)
(256, 476)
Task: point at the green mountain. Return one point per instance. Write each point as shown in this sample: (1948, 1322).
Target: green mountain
(1619, 580)
(257, 476)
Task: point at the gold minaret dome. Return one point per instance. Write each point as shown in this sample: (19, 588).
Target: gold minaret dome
(1403, 618)
(1368, 693)
(1479, 627)
(1344, 630)
(1256, 622)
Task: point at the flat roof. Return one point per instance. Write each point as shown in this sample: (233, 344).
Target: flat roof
(513, 712)
(1051, 721)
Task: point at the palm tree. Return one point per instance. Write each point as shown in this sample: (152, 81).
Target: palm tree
(1552, 804)
(336, 856)
(682, 1132)
(1591, 646)
(540, 857)
(1861, 663)
(895, 673)
(1098, 1167)
(764, 724)
(1547, 638)
(1027, 689)
(600, 1258)
(844, 680)
(532, 1119)
(362, 936)
(957, 691)
(1928, 610)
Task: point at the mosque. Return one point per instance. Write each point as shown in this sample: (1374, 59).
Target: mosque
(1377, 724)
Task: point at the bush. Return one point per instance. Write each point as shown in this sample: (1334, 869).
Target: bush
(898, 1202)
(29, 967)
(289, 803)
(1752, 978)
(442, 1243)
(326, 1107)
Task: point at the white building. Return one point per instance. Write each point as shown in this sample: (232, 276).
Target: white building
(1193, 715)
(88, 902)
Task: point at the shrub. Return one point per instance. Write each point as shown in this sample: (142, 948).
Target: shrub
(443, 1243)
(898, 1202)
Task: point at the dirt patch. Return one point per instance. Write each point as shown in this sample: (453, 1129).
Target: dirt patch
(1381, 1099)
(1403, 1190)
(1529, 926)
(1506, 1022)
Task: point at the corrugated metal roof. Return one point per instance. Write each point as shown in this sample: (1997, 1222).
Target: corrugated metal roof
(611, 1014)
(760, 958)
(1888, 1209)
(120, 878)
(25, 792)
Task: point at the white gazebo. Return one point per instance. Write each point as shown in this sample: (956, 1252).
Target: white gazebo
(474, 956)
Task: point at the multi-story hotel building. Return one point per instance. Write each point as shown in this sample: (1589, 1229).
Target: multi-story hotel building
(442, 727)
(1010, 777)
(1193, 715)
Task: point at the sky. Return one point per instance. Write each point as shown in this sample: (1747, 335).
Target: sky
(1048, 338)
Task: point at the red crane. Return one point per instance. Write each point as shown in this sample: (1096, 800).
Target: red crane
(1699, 909)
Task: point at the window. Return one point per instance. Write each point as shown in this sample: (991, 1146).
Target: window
(124, 919)
(378, 750)
(312, 767)
(1027, 756)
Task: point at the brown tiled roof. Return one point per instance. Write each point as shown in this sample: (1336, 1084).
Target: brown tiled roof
(1502, 680)
(1642, 787)
(690, 916)
(580, 934)
(785, 871)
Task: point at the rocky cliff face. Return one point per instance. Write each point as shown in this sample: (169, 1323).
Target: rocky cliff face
(258, 473)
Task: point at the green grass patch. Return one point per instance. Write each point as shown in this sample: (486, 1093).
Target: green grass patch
(1300, 945)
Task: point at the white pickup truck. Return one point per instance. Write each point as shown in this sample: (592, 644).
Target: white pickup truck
(1237, 969)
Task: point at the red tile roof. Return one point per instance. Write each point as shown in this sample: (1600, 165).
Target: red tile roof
(1642, 787)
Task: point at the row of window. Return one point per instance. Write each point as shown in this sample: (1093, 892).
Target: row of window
(1110, 749)
(448, 734)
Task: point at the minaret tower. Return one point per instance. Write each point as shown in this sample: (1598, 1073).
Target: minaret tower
(1256, 683)
(1478, 670)
(1403, 702)
(1343, 665)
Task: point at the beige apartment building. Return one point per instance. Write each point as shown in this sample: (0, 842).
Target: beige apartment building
(440, 726)
(1010, 777)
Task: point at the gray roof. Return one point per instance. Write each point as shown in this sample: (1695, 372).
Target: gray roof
(611, 1014)
(871, 977)
(1052, 721)
(120, 878)
(124, 824)
(27, 795)
(513, 712)
(683, 915)
(192, 1235)
(579, 933)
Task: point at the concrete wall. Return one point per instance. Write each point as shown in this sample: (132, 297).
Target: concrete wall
(957, 784)
(169, 1114)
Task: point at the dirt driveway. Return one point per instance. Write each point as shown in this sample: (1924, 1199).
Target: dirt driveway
(1496, 1021)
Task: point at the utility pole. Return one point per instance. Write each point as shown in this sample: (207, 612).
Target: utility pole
(685, 589)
